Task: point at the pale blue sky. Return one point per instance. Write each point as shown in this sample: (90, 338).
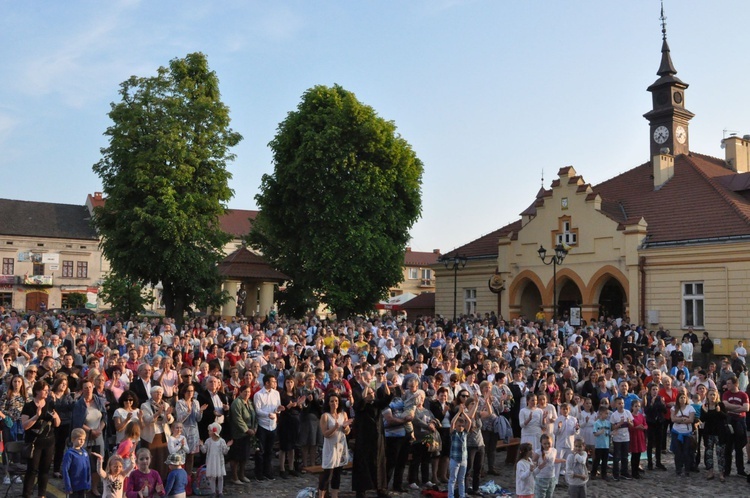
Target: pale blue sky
(488, 93)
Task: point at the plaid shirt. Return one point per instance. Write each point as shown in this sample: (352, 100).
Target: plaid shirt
(458, 447)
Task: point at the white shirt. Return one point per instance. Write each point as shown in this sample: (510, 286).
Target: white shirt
(622, 434)
(266, 402)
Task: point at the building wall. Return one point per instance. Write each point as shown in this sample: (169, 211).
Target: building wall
(75, 250)
(475, 275)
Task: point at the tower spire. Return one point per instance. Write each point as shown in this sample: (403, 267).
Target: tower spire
(666, 68)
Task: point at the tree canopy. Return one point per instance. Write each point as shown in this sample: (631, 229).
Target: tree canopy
(166, 183)
(336, 212)
(127, 297)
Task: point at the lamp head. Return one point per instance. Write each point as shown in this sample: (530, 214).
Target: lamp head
(542, 252)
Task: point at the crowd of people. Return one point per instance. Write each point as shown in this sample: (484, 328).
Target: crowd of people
(423, 403)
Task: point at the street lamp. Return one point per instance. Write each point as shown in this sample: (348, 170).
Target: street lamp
(555, 259)
(455, 263)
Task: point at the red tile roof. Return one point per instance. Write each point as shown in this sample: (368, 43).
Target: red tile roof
(693, 204)
(237, 222)
(420, 259)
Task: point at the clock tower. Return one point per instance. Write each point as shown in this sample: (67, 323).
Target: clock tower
(668, 118)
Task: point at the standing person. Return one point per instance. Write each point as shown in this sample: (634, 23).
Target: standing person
(215, 448)
(128, 413)
(525, 468)
(737, 404)
(289, 421)
(267, 405)
(586, 420)
(683, 415)
(39, 421)
(460, 426)
(335, 426)
(369, 452)
(144, 482)
(157, 415)
(488, 424)
(244, 425)
(707, 349)
(566, 430)
(714, 418)
(177, 480)
(655, 411)
(530, 419)
(546, 461)
(12, 401)
(668, 394)
(188, 412)
(622, 421)
(576, 472)
(89, 414)
(474, 445)
(217, 406)
(602, 432)
(76, 467)
(63, 402)
(441, 410)
(113, 478)
(310, 436)
(425, 427)
(637, 439)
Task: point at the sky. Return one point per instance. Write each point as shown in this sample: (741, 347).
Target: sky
(491, 95)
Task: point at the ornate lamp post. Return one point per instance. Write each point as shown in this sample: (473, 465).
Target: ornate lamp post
(455, 263)
(555, 259)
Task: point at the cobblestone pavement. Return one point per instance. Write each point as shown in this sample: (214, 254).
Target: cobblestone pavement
(655, 484)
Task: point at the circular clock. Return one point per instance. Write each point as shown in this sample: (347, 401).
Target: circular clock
(680, 134)
(677, 98)
(661, 134)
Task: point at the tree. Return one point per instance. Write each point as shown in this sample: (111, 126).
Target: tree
(166, 183)
(336, 212)
(126, 296)
(77, 300)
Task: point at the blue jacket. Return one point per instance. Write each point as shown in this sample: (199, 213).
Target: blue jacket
(79, 412)
(177, 481)
(76, 470)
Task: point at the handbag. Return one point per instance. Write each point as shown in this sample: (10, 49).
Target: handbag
(8, 422)
(433, 442)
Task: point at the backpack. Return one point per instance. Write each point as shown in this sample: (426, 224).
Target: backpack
(201, 486)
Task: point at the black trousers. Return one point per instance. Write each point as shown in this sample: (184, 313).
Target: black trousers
(264, 457)
(420, 460)
(396, 455)
(38, 466)
(736, 443)
(474, 467)
(654, 435)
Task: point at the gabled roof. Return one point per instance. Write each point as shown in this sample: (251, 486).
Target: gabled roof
(419, 258)
(237, 222)
(243, 263)
(45, 219)
(424, 300)
(694, 204)
(485, 246)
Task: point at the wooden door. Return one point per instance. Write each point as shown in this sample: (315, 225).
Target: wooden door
(35, 299)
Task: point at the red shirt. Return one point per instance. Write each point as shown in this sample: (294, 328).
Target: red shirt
(668, 397)
(738, 398)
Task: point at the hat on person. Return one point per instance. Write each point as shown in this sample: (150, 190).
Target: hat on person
(175, 459)
(214, 428)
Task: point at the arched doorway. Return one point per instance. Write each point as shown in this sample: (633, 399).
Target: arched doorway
(531, 300)
(568, 296)
(34, 301)
(612, 300)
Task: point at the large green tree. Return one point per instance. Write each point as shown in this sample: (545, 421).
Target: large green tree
(336, 212)
(166, 183)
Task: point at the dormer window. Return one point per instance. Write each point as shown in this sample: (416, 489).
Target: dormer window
(567, 235)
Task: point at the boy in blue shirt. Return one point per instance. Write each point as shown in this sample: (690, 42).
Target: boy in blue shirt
(602, 432)
(76, 467)
(459, 455)
(177, 479)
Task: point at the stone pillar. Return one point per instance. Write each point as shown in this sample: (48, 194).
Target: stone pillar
(251, 301)
(266, 298)
(230, 307)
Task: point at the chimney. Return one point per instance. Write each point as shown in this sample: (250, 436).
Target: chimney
(663, 166)
(436, 251)
(737, 153)
(408, 249)
(98, 196)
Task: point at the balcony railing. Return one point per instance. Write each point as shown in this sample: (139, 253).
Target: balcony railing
(427, 282)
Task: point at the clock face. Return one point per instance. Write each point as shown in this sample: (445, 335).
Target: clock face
(661, 134)
(564, 203)
(680, 134)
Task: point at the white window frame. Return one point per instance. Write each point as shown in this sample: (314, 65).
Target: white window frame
(426, 274)
(413, 273)
(693, 304)
(567, 237)
(470, 301)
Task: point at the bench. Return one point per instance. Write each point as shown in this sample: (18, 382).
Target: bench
(318, 469)
(511, 448)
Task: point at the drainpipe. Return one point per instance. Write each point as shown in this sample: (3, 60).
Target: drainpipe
(642, 288)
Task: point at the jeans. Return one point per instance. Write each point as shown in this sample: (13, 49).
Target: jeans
(263, 458)
(683, 453)
(601, 455)
(457, 475)
(711, 443)
(490, 448)
(620, 458)
(544, 487)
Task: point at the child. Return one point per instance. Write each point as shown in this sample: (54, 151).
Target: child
(459, 455)
(144, 482)
(114, 478)
(602, 431)
(546, 462)
(177, 479)
(566, 429)
(177, 442)
(126, 448)
(637, 439)
(215, 448)
(586, 420)
(576, 474)
(525, 472)
(76, 468)
(621, 420)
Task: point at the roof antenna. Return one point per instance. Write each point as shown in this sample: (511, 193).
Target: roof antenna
(663, 20)
(542, 177)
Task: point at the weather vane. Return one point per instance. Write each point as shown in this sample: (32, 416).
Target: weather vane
(663, 20)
